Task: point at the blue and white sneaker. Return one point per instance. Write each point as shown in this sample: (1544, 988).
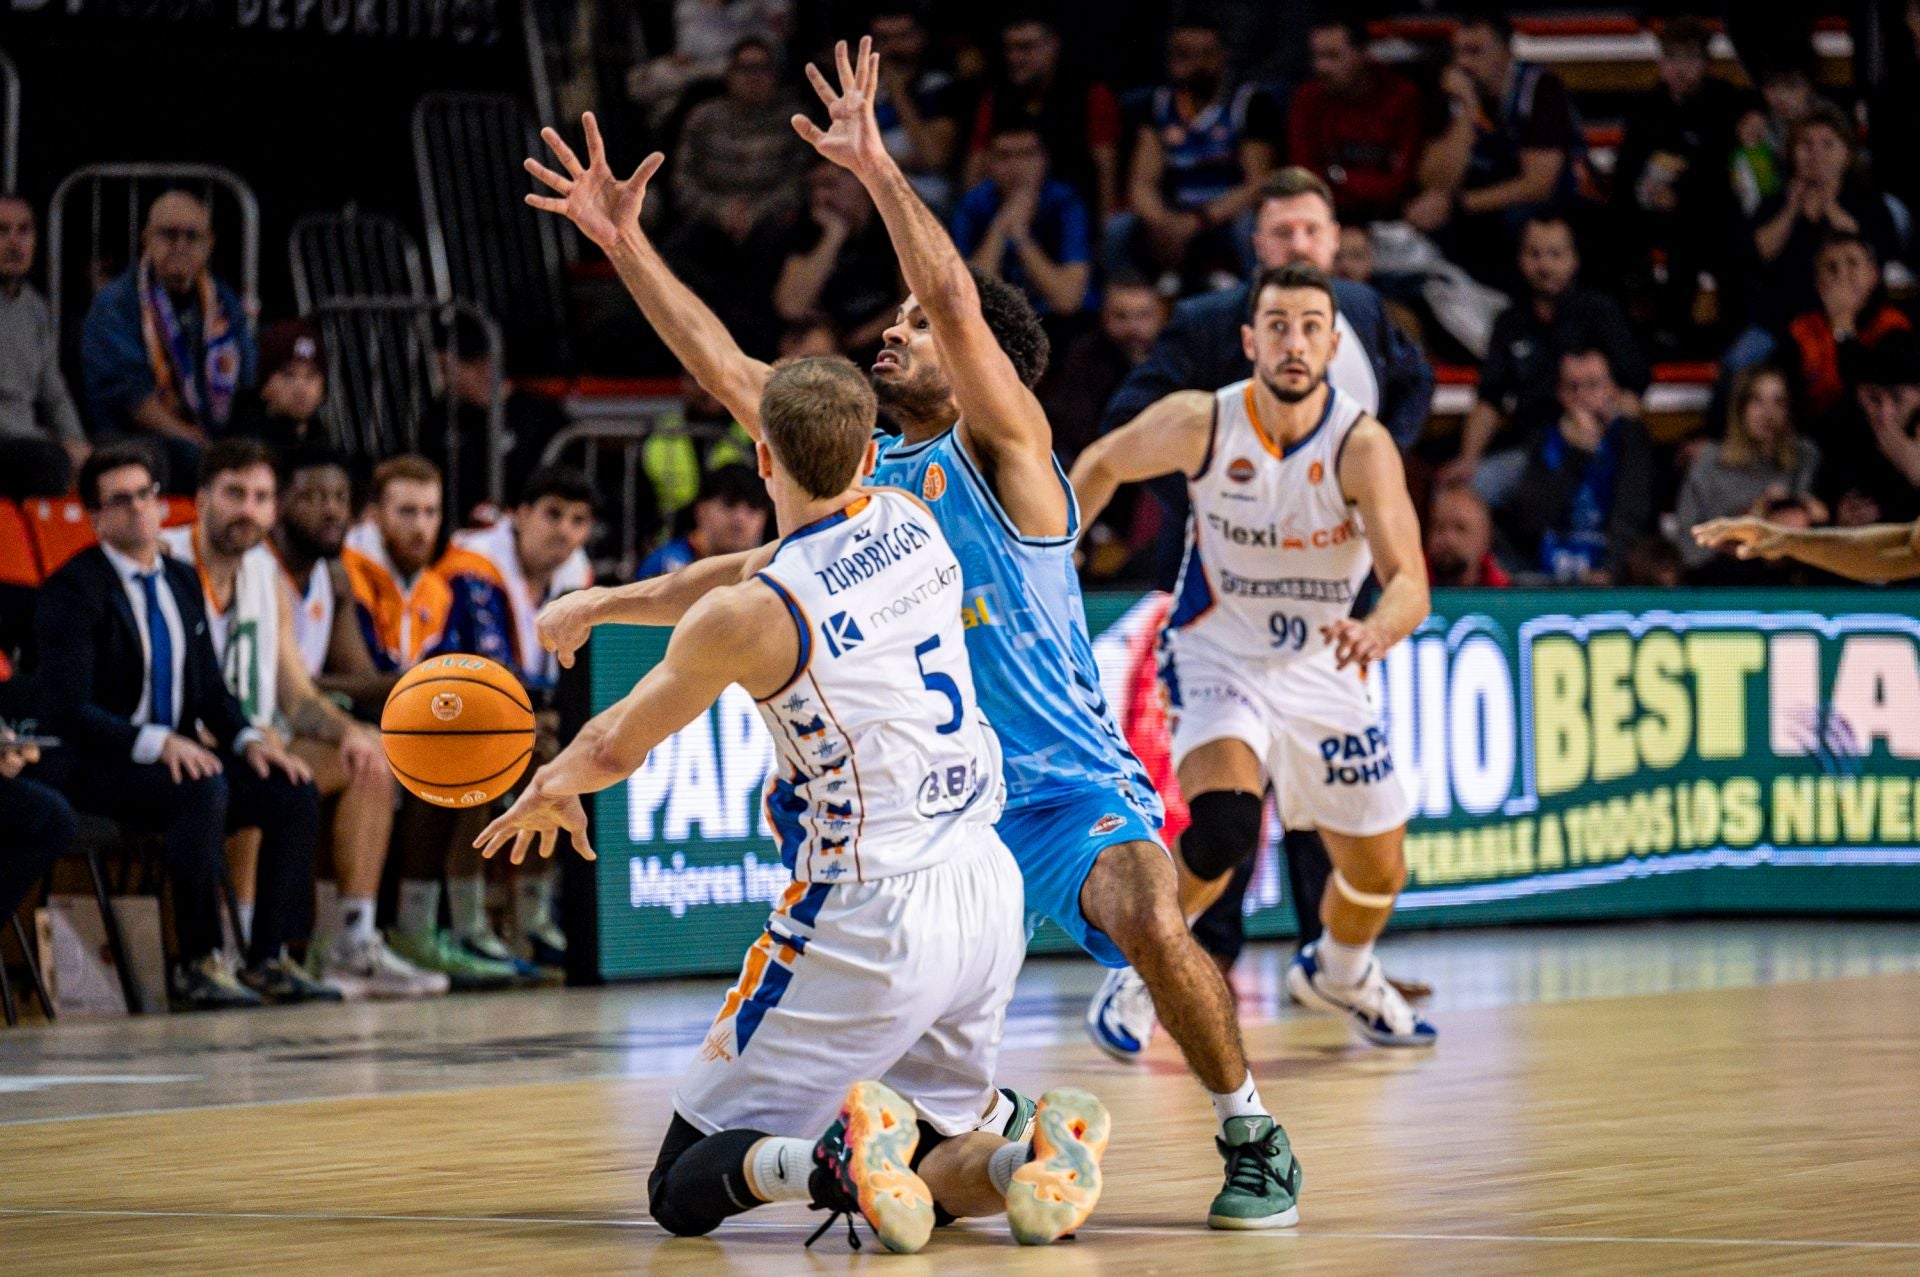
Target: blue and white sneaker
(1120, 1018)
(1373, 1008)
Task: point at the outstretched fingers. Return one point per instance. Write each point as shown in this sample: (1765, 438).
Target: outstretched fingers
(644, 171)
(556, 181)
(810, 133)
(849, 82)
(564, 153)
(596, 149)
(820, 85)
(869, 68)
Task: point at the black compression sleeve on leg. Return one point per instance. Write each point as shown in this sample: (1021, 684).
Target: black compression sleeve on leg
(1308, 869)
(1224, 832)
(699, 1180)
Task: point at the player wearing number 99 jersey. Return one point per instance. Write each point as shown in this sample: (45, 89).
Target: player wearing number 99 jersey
(1297, 496)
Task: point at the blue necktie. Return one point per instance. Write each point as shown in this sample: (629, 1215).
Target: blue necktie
(160, 640)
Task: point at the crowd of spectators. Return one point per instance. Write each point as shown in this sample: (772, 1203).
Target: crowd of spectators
(1763, 232)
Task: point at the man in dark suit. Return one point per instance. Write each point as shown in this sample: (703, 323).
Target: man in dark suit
(36, 824)
(129, 678)
(1200, 349)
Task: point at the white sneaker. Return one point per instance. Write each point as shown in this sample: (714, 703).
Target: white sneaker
(1374, 1008)
(1120, 1018)
(368, 969)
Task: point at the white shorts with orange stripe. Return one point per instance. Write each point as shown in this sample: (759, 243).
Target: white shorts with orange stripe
(905, 979)
(1314, 728)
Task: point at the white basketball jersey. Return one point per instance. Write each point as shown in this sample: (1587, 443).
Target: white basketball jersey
(246, 634)
(886, 765)
(313, 618)
(1274, 549)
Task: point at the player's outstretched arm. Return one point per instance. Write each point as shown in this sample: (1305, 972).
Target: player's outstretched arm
(1879, 553)
(1373, 478)
(1002, 418)
(607, 211)
(1172, 435)
(564, 624)
(742, 635)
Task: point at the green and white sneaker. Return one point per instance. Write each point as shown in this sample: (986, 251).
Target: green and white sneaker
(1263, 1177)
(1020, 1124)
(441, 951)
(1052, 1195)
(863, 1165)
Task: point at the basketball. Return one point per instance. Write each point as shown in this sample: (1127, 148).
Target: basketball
(458, 730)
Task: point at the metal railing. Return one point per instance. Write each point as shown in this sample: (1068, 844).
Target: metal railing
(9, 125)
(388, 390)
(483, 243)
(626, 436)
(353, 254)
(105, 221)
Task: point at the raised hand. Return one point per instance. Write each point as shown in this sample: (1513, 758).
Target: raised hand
(603, 207)
(541, 817)
(1744, 538)
(852, 139)
(563, 625)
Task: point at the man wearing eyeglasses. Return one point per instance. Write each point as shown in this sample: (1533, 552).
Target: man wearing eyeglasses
(129, 680)
(166, 347)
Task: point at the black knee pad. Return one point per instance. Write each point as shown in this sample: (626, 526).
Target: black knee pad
(698, 1181)
(1224, 832)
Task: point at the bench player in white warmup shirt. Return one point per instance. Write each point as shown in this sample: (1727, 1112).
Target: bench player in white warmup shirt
(893, 954)
(1298, 495)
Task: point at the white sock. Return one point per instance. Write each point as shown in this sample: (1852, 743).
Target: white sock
(1005, 1160)
(419, 906)
(1344, 964)
(326, 909)
(245, 909)
(533, 898)
(356, 919)
(779, 1168)
(1242, 1102)
(467, 902)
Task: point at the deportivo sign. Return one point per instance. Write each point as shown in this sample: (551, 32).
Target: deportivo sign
(457, 22)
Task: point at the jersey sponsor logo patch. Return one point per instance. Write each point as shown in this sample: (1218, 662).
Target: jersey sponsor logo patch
(1304, 589)
(1106, 824)
(842, 633)
(1357, 760)
(1241, 470)
(934, 485)
(1316, 472)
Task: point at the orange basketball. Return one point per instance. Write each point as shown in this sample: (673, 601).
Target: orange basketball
(458, 730)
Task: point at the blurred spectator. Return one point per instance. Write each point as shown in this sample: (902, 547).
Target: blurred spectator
(1760, 458)
(1513, 146)
(1353, 258)
(1586, 496)
(1078, 120)
(1201, 348)
(166, 347)
(1824, 194)
(838, 260)
(737, 163)
(1872, 469)
(1460, 540)
(1853, 310)
(915, 107)
(284, 411)
(1198, 161)
(37, 821)
(40, 435)
(683, 449)
(1654, 563)
(1893, 115)
(1517, 393)
(705, 35)
(1763, 132)
(530, 420)
(809, 335)
(402, 603)
(729, 516)
(1027, 227)
(130, 678)
(1670, 192)
(1132, 313)
(1356, 123)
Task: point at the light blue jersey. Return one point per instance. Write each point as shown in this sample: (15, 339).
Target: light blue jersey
(1026, 635)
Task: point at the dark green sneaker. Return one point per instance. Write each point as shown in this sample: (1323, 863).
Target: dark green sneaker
(1263, 1177)
(1020, 1125)
(863, 1166)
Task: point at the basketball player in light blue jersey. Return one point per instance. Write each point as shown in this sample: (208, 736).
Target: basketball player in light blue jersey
(956, 376)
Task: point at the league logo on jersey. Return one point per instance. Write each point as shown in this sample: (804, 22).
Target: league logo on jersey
(1241, 471)
(842, 633)
(1106, 825)
(935, 484)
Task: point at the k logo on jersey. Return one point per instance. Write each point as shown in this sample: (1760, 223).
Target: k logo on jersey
(935, 484)
(842, 633)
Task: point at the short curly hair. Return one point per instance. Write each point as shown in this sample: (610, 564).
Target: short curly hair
(1011, 319)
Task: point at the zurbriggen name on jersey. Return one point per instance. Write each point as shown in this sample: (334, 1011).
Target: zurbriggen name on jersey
(880, 553)
(1308, 589)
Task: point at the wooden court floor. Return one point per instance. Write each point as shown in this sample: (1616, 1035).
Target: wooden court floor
(1752, 1113)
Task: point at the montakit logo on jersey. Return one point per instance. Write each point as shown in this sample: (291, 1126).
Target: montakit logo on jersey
(1241, 470)
(842, 633)
(934, 485)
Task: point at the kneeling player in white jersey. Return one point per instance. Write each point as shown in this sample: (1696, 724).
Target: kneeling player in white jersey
(1297, 496)
(893, 955)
